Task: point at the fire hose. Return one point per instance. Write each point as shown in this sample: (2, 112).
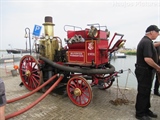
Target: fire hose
(32, 92)
(37, 101)
(79, 70)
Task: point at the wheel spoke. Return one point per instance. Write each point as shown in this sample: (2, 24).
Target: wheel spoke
(34, 65)
(80, 102)
(29, 82)
(83, 88)
(34, 70)
(71, 85)
(80, 84)
(85, 95)
(37, 76)
(35, 82)
(83, 98)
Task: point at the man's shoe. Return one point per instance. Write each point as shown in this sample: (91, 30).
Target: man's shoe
(151, 114)
(143, 118)
(157, 93)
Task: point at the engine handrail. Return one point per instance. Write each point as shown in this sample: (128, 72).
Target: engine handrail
(97, 25)
(71, 26)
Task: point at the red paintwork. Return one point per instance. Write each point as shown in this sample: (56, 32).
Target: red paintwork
(88, 51)
(92, 50)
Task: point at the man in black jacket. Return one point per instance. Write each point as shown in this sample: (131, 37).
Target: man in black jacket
(146, 65)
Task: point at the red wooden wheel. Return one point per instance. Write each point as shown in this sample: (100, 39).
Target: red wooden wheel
(30, 72)
(79, 91)
(106, 85)
(105, 80)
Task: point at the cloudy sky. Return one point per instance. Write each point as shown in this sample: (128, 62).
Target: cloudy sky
(128, 17)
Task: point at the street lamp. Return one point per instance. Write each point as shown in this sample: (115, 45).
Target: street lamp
(26, 36)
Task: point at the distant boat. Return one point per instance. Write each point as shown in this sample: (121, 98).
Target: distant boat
(17, 51)
(118, 55)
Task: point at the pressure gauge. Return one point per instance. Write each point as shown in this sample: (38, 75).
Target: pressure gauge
(46, 37)
(51, 37)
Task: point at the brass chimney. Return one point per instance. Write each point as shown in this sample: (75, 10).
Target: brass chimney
(48, 26)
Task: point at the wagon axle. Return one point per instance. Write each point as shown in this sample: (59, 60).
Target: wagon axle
(77, 92)
(28, 73)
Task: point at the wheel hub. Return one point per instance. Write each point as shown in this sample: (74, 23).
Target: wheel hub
(28, 73)
(77, 92)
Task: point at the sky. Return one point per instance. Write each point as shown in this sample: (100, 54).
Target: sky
(128, 17)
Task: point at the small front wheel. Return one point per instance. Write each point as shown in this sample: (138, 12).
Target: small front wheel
(79, 91)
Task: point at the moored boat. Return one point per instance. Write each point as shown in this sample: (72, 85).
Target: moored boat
(17, 51)
(118, 55)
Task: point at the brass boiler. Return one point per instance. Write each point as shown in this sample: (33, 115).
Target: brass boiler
(48, 44)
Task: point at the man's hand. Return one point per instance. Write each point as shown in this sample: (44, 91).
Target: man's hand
(158, 69)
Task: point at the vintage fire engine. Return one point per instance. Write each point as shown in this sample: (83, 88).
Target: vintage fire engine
(83, 63)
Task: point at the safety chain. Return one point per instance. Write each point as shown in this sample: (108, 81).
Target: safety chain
(124, 99)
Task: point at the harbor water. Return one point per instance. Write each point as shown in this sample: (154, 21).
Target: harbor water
(126, 79)
(9, 57)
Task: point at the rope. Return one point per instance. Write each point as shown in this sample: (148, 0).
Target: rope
(124, 99)
(129, 71)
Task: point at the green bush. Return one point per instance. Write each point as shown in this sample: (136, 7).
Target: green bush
(130, 53)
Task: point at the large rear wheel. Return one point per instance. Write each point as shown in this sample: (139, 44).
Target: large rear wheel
(30, 72)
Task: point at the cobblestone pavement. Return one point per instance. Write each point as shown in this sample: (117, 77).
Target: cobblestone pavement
(59, 107)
